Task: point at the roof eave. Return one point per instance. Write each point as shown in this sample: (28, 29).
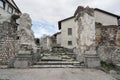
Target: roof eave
(59, 22)
(107, 12)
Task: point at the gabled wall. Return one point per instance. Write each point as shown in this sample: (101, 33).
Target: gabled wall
(105, 19)
(70, 23)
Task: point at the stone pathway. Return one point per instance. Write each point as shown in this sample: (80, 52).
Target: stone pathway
(54, 74)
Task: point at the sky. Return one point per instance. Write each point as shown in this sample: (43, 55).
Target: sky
(45, 14)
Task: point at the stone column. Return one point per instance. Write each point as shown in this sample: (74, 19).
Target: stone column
(86, 35)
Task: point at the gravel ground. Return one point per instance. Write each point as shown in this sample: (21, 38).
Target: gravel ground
(53, 74)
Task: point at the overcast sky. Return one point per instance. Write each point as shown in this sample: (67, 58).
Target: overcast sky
(46, 13)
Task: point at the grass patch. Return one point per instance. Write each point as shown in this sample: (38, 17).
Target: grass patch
(107, 66)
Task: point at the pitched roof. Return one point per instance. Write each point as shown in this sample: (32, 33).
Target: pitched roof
(96, 9)
(56, 33)
(59, 22)
(11, 2)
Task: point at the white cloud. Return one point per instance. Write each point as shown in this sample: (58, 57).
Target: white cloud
(54, 10)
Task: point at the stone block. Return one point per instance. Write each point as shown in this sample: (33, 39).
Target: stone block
(92, 62)
(91, 59)
(21, 64)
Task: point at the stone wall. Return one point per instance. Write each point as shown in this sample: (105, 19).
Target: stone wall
(15, 32)
(107, 42)
(8, 42)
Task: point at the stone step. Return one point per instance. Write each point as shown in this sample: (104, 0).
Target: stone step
(51, 58)
(3, 66)
(55, 66)
(57, 63)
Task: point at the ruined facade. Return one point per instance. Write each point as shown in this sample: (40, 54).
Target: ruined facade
(100, 16)
(96, 32)
(16, 35)
(100, 36)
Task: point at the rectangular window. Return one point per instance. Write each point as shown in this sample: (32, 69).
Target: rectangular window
(2, 4)
(119, 22)
(69, 31)
(69, 43)
(10, 9)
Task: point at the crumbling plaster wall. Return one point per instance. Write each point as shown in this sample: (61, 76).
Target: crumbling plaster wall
(86, 29)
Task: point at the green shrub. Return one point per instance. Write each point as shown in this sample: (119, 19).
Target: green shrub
(108, 66)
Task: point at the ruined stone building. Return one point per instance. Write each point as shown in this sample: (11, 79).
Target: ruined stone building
(46, 42)
(92, 31)
(56, 39)
(15, 32)
(98, 31)
(8, 29)
(68, 26)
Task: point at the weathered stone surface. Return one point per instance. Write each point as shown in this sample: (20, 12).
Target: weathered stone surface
(21, 64)
(24, 31)
(46, 43)
(23, 59)
(91, 59)
(107, 35)
(86, 37)
(86, 29)
(118, 38)
(13, 38)
(107, 42)
(8, 42)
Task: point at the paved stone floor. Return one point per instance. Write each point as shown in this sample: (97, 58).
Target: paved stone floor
(54, 74)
